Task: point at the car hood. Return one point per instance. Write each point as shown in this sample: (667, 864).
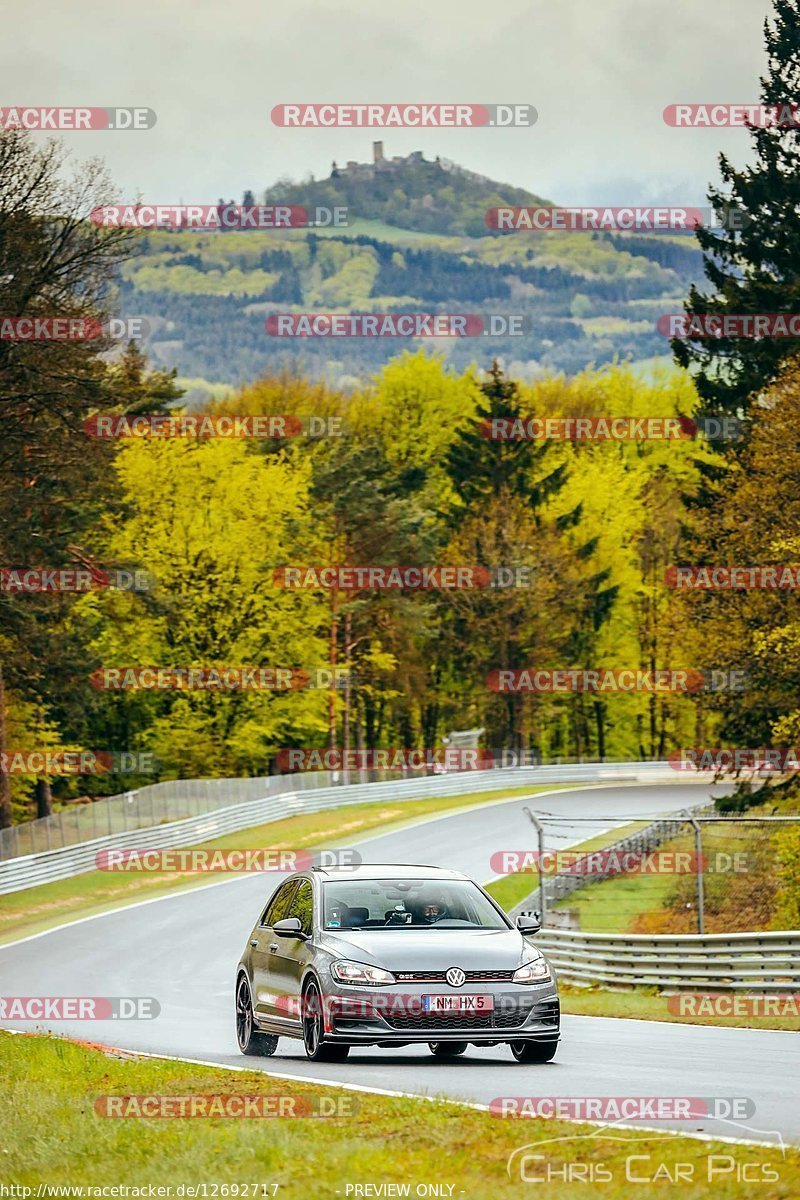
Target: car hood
(433, 949)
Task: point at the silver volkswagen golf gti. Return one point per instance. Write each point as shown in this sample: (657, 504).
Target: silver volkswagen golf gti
(393, 956)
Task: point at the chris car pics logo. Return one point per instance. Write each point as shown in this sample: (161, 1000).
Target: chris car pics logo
(610, 1155)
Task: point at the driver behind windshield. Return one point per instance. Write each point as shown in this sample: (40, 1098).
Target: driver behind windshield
(406, 903)
(434, 910)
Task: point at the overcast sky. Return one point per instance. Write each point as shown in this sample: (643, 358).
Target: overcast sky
(600, 73)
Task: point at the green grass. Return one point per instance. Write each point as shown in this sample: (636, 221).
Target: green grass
(53, 1135)
(50, 904)
(512, 889)
(655, 369)
(647, 1004)
(183, 280)
(198, 392)
(612, 905)
(361, 226)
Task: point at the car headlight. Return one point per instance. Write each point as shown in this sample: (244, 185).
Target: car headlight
(345, 971)
(532, 972)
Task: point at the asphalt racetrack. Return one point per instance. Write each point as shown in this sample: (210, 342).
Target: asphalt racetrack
(183, 951)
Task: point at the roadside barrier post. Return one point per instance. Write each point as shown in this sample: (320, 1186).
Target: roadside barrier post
(540, 836)
(698, 854)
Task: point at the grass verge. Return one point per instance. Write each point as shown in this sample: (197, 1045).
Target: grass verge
(743, 886)
(40, 908)
(613, 905)
(628, 896)
(512, 889)
(648, 1004)
(53, 1135)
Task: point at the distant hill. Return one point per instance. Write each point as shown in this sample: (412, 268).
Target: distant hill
(409, 193)
(416, 241)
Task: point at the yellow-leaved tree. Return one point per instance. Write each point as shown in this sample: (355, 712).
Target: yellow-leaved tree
(211, 520)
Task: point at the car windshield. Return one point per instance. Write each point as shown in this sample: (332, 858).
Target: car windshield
(407, 904)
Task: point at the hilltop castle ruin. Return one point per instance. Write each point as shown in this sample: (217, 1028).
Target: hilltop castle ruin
(379, 164)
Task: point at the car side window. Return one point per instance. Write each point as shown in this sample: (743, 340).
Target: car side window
(302, 906)
(278, 907)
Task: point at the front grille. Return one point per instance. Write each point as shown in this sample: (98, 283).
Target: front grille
(499, 1018)
(440, 976)
(425, 1021)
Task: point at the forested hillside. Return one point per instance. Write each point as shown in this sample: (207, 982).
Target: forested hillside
(416, 240)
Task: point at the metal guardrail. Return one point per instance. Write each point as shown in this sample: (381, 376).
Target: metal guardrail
(153, 804)
(176, 799)
(285, 800)
(717, 962)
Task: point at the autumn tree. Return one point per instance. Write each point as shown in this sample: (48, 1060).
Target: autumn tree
(752, 259)
(54, 263)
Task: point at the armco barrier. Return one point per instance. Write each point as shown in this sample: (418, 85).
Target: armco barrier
(716, 962)
(152, 804)
(30, 870)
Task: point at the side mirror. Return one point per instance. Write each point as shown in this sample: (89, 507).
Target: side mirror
(289, 927)
(528, 923)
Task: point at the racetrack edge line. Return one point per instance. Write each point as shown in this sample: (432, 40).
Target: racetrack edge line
(110, 912)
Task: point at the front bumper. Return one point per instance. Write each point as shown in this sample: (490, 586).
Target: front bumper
(368, 1015)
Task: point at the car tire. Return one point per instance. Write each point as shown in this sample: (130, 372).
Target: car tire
(447, 1049)
(250, 1039)
(534, 1052)
(317, 1050)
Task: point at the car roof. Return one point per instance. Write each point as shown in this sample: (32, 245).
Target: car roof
(387, 871)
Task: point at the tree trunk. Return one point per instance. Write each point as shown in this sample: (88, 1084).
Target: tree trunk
(332, 690)
(348, 635)
(44, 799)
(599, 714)
(5, 783)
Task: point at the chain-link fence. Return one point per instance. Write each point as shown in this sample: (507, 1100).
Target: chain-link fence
(177, 799)
(706, 872)
(154, 804)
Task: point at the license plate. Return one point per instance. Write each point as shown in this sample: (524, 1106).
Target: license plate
(458, 1004)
